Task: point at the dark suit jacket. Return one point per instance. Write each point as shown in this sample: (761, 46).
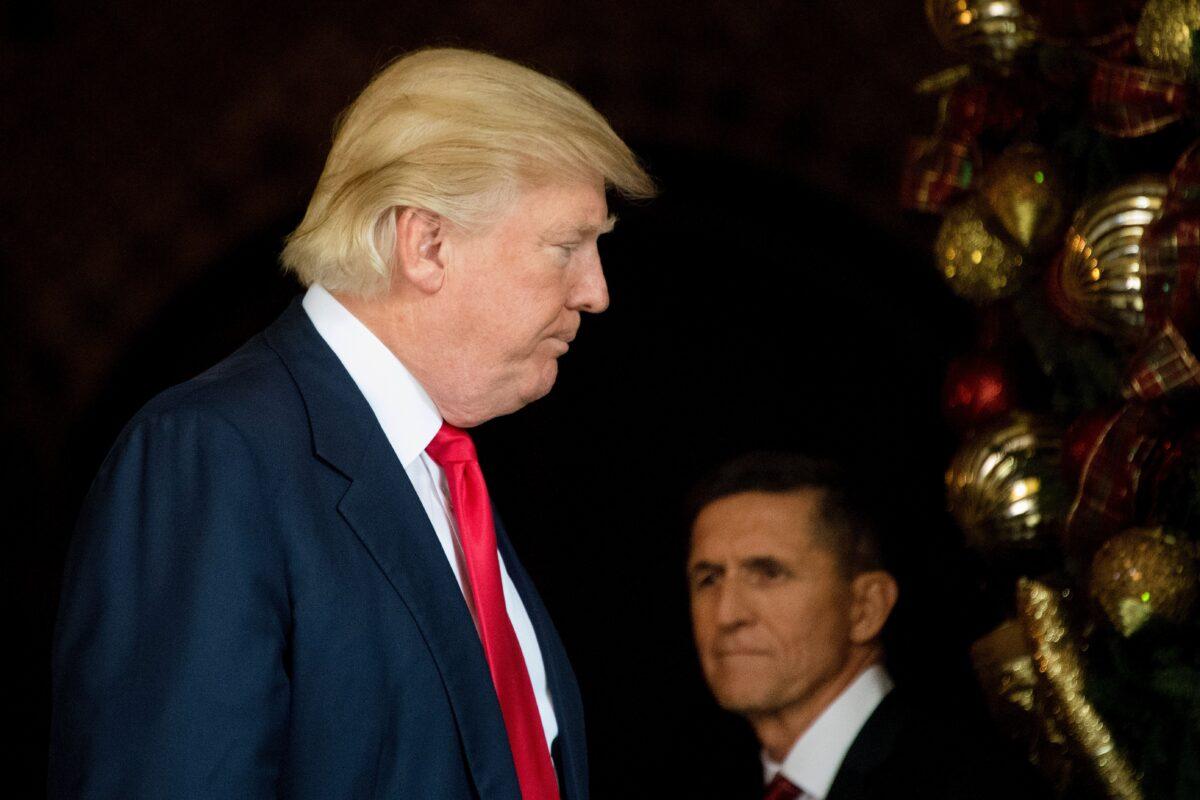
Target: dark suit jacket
(255, 605)
(903, 752)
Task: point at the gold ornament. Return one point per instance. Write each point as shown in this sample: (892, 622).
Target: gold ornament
(1057, 657)
(992, 32)
(1003, 486)
(1005, 669)
(1144, 573)
(1165, 34)
(1022, 190)
(940, 83)
(978, 265)
(1019, 702)
(1101, 277)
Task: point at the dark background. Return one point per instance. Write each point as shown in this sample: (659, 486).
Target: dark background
(154, 154)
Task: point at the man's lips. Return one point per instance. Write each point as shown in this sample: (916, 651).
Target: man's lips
(564, 339)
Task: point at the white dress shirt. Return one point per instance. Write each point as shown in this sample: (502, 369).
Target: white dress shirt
(410, 420)
(814, 759)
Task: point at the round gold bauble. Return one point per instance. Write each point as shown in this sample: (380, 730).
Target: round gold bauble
(1003, 487)
(1023, 192)
(1165, 35)
(978, 264)
(1141, 574)
(1101, 277)
(992, 32)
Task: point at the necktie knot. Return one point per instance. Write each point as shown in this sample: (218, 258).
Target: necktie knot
(782, 789)
(451, 445)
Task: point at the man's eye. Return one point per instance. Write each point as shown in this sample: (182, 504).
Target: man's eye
(769, 572)
(568, 248)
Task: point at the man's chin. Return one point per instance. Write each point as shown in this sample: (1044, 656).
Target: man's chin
(747, 702)
(745, 691)
(542, 385)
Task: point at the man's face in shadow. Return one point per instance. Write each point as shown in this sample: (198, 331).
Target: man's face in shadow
(772, 613)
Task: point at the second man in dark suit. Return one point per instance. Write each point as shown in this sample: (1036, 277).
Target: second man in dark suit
(789, 597)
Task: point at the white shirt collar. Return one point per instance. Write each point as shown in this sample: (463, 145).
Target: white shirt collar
(815, 758)
(404, 409)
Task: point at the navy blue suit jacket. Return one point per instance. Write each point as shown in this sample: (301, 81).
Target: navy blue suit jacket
(255, 605)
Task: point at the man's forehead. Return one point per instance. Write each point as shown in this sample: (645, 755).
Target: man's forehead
(762, 522)
(738, 545)
(761, 508)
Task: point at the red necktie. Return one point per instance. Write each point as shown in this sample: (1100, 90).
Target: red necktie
(454, 452)
(781, 789)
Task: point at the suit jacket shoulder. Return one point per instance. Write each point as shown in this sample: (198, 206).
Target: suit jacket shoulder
(905, 751)
(255, 605)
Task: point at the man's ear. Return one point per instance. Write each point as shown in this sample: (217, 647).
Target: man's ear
(417, 255)
(873, 596)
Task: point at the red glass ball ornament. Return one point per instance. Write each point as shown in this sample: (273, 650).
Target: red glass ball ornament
(977, 389)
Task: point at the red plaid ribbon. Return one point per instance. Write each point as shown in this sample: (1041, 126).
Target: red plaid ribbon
(1165, 364)
(939, 168)
(1129, 101)
(935, 172)
(1129, 451)
(1170, 250)
(1185, 177)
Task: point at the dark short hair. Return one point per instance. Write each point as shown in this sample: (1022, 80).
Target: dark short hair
(851, 530)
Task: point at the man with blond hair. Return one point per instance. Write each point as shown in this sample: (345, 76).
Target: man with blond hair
(287, 580)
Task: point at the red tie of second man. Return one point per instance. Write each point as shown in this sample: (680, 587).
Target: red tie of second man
(454, 452)
(782, 789)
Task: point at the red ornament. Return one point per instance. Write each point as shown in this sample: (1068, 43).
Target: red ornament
(971, 108)
(977, 389)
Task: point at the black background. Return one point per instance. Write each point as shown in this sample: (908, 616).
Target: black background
(772, 296)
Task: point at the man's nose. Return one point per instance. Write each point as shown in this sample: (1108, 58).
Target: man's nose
(590, 292)
(733, 610)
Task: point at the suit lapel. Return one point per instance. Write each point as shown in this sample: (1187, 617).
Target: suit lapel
(382, 509)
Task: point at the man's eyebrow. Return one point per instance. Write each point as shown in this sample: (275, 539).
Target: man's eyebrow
(705, 566)
(585, 231)
(762, 562)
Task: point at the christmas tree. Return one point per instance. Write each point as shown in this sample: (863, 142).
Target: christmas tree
(1065, 168)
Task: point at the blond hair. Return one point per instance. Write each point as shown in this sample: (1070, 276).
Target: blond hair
(454, 132)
